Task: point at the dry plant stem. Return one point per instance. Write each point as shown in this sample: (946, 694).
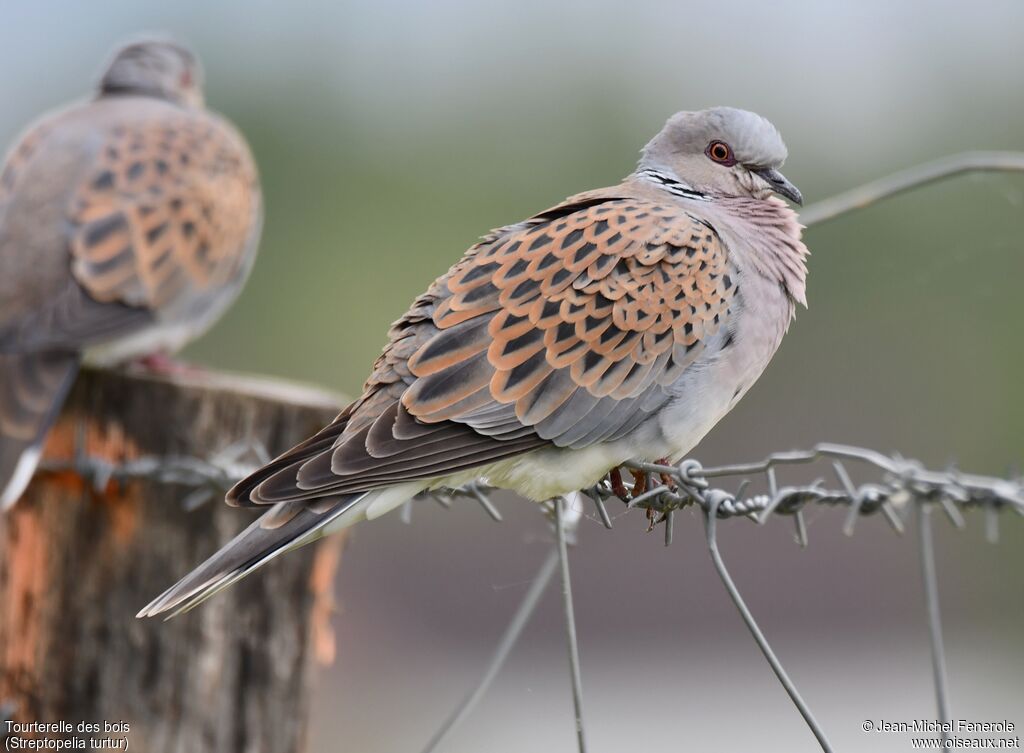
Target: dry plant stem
(710, 520)
(931, 595)
(909, 179)
(508, 641)
(570, 623)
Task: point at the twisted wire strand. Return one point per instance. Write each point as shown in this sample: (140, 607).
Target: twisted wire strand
(902, 483)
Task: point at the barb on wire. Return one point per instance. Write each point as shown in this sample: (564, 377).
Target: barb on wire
(475, 490)
(902, 482)
(204, 477)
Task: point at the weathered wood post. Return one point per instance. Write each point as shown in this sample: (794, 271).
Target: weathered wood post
(76, 564)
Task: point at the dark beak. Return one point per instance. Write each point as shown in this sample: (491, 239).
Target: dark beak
(780, 185)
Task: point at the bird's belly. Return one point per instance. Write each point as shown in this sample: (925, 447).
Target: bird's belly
(706, 393)
(702, 401)
(551, 471)
(155, 338)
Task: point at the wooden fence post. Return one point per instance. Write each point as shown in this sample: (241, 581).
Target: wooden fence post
(76, 564)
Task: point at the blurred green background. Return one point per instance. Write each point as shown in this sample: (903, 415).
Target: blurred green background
(390, 135)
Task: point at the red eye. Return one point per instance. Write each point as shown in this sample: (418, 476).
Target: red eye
(720, 152)
(186, 79)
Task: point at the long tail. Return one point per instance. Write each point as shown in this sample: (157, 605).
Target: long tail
(33, 387)
(286, 526)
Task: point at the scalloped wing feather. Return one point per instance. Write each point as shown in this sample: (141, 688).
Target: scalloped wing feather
(612, 300)
(171, 205)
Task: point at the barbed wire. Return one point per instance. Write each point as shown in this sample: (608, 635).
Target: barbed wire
(204, 477)
(661, 491)
(904, 480)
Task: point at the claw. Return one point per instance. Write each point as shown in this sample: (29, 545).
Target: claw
(666, 479)
(639, 482)
(161, 364)
(618, 488)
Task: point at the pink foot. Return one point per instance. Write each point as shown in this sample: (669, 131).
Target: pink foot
(164, 365)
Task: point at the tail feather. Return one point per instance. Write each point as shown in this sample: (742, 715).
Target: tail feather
(33, 387)
(265, 539)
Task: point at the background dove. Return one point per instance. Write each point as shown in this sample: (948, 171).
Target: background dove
(621, 324)
(128, 224)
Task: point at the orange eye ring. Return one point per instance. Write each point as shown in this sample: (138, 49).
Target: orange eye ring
(720, 152)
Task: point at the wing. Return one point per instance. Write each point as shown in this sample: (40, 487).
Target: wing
(170, 204)
(565, 330)
(158, 207)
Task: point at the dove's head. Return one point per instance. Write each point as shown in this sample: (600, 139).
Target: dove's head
(155, 68)
(721, 152)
